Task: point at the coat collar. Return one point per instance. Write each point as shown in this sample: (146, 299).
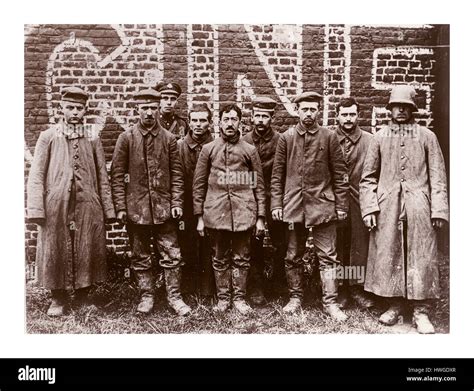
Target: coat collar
(144, 131)
(256, 137)
(193, 143)
(353, 137)
(301, 130)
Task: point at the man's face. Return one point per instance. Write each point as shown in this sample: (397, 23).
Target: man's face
(229, 123)
(167, 103)
(261, 120)
(402, 113)
(148, 113)
(198, 122)
(308, 113)
(73, 112)
(348, 117)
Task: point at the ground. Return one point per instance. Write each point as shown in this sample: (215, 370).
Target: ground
(117, 300)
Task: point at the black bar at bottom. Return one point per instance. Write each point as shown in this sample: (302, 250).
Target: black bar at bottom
(432, 374)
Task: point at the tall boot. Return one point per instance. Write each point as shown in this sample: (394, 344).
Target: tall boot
(239, 284)
(145, 284)
(223, 286)
(294, 277)
(329, 287)
(255, 285)
(58, 302)
(173, 291)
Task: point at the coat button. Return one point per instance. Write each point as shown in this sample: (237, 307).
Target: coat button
(402, 157)
(76, 156)
(402, 180)
(403, 167)
(75, 146)
(402, 144)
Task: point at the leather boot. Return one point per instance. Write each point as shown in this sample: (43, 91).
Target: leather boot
(390, 317)
(362, 298)
(82, 300)
(145, 284)
(255, 285)
(173, 291)
(343, 296)
(294, 277)
(58, 302)
(239, 284)
(329, 287)
(223, 285)
(421, 320)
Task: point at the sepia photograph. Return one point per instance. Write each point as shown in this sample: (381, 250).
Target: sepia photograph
(237, 178)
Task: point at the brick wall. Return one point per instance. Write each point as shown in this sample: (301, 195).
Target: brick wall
(216, 63)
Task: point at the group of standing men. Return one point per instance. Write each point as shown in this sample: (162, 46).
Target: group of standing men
(203, 204)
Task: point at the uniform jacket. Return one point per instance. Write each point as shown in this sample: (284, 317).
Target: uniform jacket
(175, 125)
(229, 190)
(354, 149)
(189, 151)
(266, 147)
(309, 176)
(147, 175)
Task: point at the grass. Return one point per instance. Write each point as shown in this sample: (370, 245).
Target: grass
(117, 300)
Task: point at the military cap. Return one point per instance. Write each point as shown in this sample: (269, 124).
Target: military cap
(164, 87)
(264, 103)
(74, 94)
(402, 94)
(146, 96)
(308, 96)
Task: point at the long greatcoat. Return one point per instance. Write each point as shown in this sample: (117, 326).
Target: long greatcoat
(404, 178)
(61, 167)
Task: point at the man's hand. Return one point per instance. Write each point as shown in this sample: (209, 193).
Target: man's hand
(370, 221)
(277, 214)
(176, 212)
(39, 221)
(341, 215)
(438, 223)
(260, 227)
(122, 216)
(200, 226)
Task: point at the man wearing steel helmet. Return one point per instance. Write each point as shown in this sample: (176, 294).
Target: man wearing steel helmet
(403, 197)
